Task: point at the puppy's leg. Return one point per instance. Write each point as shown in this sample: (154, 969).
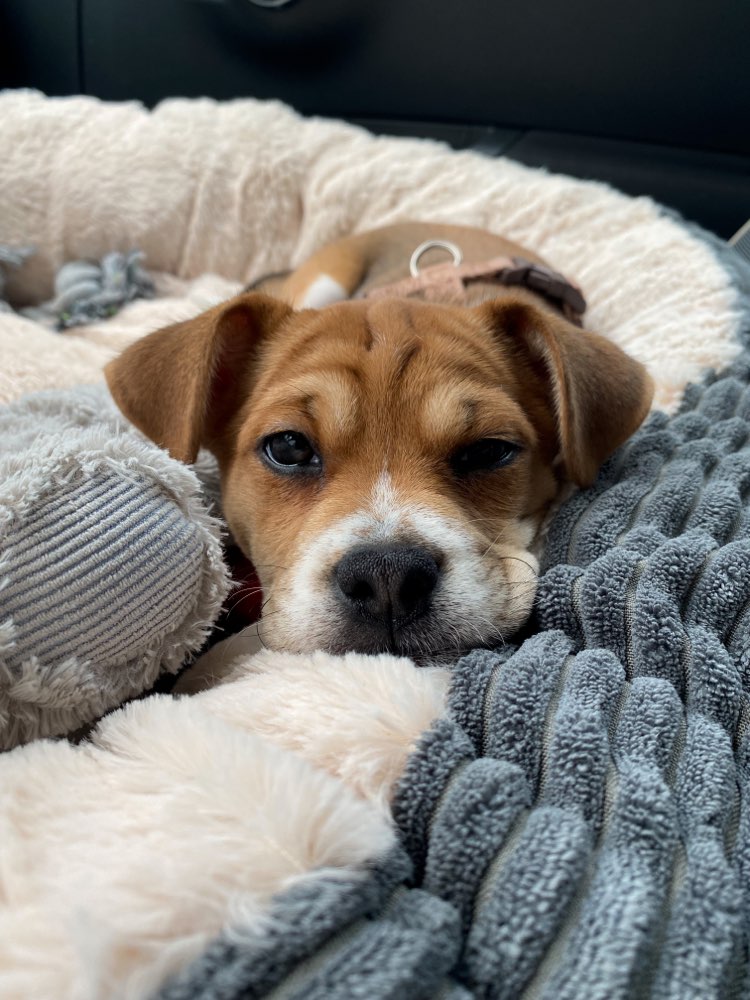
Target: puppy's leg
(337, 270)
(331, 275)
(269, 284)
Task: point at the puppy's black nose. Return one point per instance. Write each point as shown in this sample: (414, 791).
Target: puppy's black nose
(388, 584)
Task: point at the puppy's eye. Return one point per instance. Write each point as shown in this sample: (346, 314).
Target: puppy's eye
(483, 456)
(290, 450)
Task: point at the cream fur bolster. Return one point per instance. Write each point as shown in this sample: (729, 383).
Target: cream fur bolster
(121, 859)
(244, 188)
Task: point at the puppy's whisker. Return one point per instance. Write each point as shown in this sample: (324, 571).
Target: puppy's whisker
(525, 562)
(245, 591)
(264, 605)
(481, 520)
(250, 591)
(491, 545)
(233, 607)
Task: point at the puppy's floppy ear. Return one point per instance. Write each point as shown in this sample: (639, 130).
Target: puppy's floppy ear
(598, 394)
(181, 385)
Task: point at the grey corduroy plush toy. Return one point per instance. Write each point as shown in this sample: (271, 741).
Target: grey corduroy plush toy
(111, 567)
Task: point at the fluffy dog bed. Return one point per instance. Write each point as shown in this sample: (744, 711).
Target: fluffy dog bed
(576, 824)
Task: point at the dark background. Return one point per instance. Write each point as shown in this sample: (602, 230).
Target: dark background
(653, 97)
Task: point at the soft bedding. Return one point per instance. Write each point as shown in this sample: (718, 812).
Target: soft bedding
(575, 822)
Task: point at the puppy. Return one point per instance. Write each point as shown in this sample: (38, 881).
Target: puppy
(392, 422)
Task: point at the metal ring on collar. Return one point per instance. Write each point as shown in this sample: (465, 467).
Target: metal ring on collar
(428, 245)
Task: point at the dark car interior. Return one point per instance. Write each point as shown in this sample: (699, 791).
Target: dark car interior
(649, 97)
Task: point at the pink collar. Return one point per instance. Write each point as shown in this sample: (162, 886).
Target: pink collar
(448, 283)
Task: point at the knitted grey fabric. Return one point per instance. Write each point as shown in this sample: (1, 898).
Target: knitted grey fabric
(110, 564)
(85, 291)
(579, 827)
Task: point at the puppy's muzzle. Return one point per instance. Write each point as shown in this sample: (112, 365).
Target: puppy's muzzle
(388, 587)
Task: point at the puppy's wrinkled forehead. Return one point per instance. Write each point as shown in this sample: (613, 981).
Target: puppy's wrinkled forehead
(361, 372)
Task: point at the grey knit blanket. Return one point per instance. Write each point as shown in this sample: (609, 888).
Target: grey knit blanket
(580, 826)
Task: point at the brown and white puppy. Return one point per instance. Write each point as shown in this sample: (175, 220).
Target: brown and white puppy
(387, 462)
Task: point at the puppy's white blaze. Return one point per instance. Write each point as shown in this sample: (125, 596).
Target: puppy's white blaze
(384, 507)
(324, 291)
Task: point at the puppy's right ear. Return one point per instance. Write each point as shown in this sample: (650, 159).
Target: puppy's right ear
(183, 384)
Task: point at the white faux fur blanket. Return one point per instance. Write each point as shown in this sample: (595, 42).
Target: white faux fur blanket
(243, 188)
(123, 857)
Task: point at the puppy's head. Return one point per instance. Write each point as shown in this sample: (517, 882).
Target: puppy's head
(386, 465)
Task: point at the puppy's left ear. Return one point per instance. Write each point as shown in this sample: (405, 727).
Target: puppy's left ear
(597, 393)
(183, 385)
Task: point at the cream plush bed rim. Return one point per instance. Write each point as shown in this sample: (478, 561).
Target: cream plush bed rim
(218, 194)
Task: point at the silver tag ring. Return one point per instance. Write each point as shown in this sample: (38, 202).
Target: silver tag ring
(429, 245)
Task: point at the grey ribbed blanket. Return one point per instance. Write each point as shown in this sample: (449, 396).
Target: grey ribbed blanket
(580, 827)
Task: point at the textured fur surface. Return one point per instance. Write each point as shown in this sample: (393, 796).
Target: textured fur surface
(246, 188)
(182, 818)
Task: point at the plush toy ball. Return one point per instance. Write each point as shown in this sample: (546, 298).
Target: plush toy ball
(111, 566)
